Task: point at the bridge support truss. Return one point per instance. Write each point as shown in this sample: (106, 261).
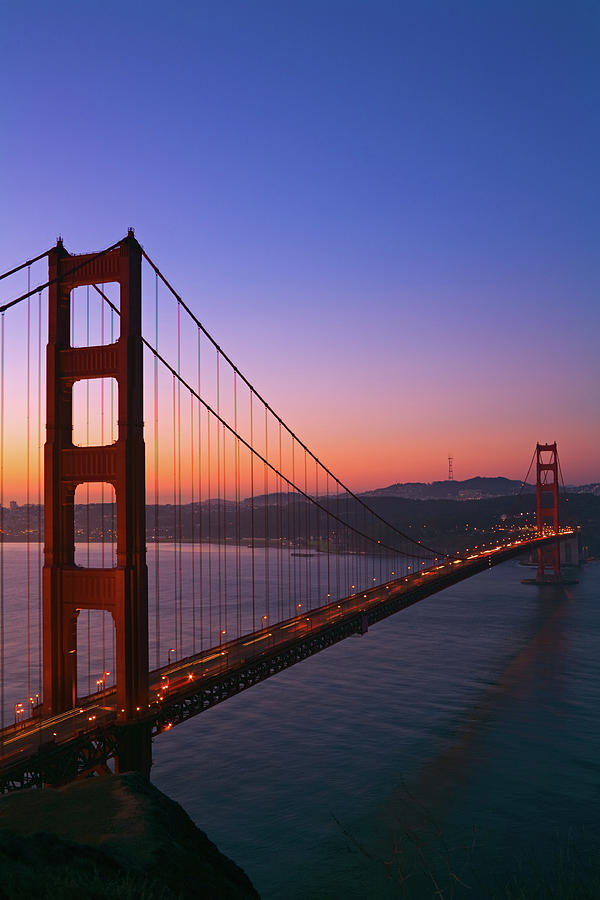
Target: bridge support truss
(67, 588)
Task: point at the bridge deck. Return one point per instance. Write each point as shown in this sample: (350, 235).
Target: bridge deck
(85, 738)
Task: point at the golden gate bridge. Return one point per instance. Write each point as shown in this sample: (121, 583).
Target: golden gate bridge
(193, 545)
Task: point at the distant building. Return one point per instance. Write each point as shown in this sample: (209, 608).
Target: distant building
(14, 506)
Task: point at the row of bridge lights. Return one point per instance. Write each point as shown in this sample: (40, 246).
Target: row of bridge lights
(264, 619)
(101, 682)
(34, 702)
(264, 624)
(222, 635)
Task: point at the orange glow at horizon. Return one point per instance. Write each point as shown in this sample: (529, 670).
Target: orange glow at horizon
(355, 424)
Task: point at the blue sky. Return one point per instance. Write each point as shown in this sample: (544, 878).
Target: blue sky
(387, 213)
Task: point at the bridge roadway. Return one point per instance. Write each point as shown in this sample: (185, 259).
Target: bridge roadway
(84, 739)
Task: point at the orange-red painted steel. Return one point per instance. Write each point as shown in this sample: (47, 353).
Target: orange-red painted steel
(547, 513)
(68, 588)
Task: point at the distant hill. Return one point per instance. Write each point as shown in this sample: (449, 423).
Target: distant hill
(471, 489)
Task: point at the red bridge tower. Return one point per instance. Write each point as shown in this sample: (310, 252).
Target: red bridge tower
(68, 588)
(547, 510)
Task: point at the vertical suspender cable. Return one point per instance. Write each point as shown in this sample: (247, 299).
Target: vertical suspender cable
(359, 546)
(39, 494)
(28, 500)
(337, 531)
(266, 538)
(219, 565)
(294, 511)
(73, 306)
(327, 524)
(87, 441)
(156, 490)
(208, 499)
(192, 523)
(289, 549)
(237, 510)
(346, 574)
(252, 511)
(102, 535)
(351, 544)
(200, 572)
(113, 545)
(280, 529)
(344, 561)
(176, 594)
(318, 537)
(307, 507)
(2, 524)
(224, 532)
(355, 558)
(367, 550)
(179, 480)
(102, 495)
(353, 548)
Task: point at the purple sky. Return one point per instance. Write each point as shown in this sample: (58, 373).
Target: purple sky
(386, 213)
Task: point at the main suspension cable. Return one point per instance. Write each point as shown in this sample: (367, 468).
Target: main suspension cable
(262, 459)
(2, 534)
(24, 265)
(259, 397)
(524, 482)
(63, 275)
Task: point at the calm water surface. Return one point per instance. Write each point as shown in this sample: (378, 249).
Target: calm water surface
(460, 735)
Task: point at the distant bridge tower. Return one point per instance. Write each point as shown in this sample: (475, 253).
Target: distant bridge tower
(547, 509)
(68, 588)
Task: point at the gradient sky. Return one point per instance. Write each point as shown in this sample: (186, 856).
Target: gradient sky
(385, 212)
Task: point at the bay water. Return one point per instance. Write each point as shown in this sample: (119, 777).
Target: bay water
(454, 746)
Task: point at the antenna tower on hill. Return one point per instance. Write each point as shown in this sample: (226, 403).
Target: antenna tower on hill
(450, 472)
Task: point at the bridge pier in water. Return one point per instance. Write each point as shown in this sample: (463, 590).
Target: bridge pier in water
(546, 496)
(547, 515)
(67, 588)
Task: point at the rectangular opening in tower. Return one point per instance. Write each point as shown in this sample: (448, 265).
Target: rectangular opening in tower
(95, 525)
(95, 412)
(96, 662)
(94, 321)
(547, 500)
